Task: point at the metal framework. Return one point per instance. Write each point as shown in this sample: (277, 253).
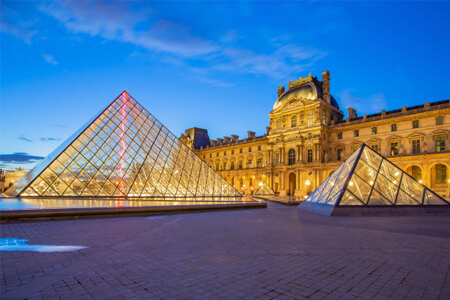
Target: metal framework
(366, 178)
(123, 152)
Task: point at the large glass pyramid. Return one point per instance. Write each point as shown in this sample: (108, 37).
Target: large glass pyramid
(265, 190)
(123, 152)
(368, 179)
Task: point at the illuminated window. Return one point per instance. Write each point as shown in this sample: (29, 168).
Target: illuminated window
(441, 173)
(440, 120)
(356, 133)
(251, 182)
(310, 117)
(241, 181)
(240, 164)
(339, 135)
(374, 130)
(310, 155)
(324, 118)
(355, 148)
(416, 146)
(291, 157)
(309, 135)
(224, 165)
(277, 159)
(249, 163)
(278, 124)
(294, 121)
(393, 127)
(394, 148)
(440, 144)
(375, 147)
(340, 153)
(217, 166)
(416, 173)
(416, 124)
(232, 165)
(232, 181)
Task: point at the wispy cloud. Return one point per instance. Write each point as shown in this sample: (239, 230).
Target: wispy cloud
(23, 138)
(50, 139)
(371, 104)
(48, 58)
(142, 27)
(12, 22)
(19, 157)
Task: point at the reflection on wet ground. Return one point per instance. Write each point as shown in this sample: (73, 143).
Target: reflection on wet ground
(13, 244)
(8, 204)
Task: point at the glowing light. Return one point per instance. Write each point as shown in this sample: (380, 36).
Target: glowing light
(420, 181)
(307, 182)
(371, 183)
(396, 174)
(351, 183)
(260, 183)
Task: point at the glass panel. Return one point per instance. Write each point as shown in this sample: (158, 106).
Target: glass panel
(405, 199)
(359, 188)
(412, 188)
(334, 198)
(431, 199)
(386, 187)
(349, 199)
(365, 172)
(377, 199)
(391, 172)
(371, 158)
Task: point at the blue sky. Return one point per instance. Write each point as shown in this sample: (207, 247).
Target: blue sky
(214, 65)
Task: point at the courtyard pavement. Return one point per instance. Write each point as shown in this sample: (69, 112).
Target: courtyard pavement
(280, 252)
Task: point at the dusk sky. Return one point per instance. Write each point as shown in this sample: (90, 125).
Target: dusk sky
(214, 65)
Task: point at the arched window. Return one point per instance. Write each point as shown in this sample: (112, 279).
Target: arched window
(232, 181)
(291, 157)
(294, 121)
(278, 124)
(416, 173)
(441, 173)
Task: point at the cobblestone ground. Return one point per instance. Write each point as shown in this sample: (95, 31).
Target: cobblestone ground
(275, 253)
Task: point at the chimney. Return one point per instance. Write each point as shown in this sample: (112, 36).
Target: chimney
(251, 135)
(351, 113)
(326, 86)
(234, 138)
(219, 141)
(280, 91)
(227, 139)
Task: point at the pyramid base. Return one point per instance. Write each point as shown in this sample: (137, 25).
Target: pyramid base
(328, 210)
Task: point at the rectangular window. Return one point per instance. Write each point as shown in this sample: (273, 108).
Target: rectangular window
(240, 150)
(224, 166)
(355, 148)
(393, 127)
(249, 163)
(259, 148)
(217, 167)
(204, 156)
(240, 164)
(277, 159)
(232, 166)
(249, 149)
(339, 135)
(210, 155)
(374, 130)
(416, 146)
(232, 151)
(310, 155)
(441, 173)
(375, 147)
(356, 133)
(224, 153)
(416, 124)
(310, 117)
(440, 120)
(259, 161)
(440, 144)
(339, 154)
(394, 148)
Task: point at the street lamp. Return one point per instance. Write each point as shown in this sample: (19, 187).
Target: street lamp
(307, 183)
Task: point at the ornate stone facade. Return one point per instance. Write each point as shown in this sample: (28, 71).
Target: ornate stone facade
(308, 139)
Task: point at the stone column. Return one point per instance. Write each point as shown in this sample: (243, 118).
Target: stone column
(299, 158)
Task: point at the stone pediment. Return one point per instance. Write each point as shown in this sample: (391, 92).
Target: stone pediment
(294, 103)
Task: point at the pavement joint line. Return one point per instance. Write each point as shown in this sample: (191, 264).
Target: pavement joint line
(34, 286)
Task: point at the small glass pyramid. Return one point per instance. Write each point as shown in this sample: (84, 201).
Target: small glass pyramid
(123, 152)
(368, 179)
(265, 190)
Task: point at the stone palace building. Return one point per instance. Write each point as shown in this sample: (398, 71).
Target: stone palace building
(308, 139)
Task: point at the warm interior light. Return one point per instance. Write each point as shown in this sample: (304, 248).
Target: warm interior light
(420, 181)
(371, 183)
(260, 184)
(396, 174)
(351, 183)
(307, 182)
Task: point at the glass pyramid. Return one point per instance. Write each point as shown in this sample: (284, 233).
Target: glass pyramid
(368, 179)
(123, 152)
(265, 190)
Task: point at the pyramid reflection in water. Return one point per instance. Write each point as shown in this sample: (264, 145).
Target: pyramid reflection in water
(366, 179)
(123, 152)
(265, 190)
